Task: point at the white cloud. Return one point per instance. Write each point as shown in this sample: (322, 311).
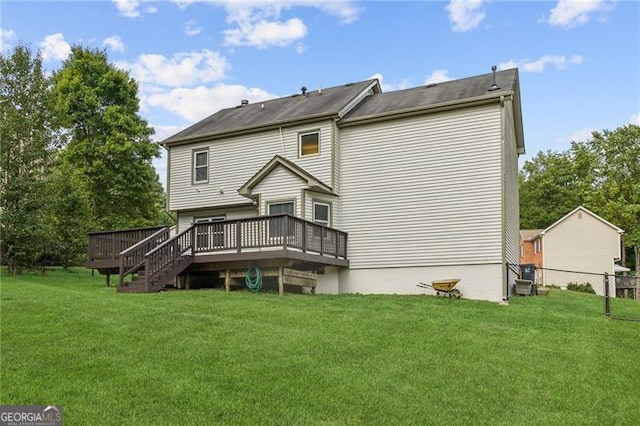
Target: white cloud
(163, 132)
(263, 33)
(260, 23)
(128, 8)
(199, 102)
(581, 135)
(438, 76)
(131, 8)
(539, 65)
(390, 87)
(6, 36)
(635, 119)
(572, 13)
(465, 15)
(114, 43)
(55, 47)
(183, 69)
(192, 28)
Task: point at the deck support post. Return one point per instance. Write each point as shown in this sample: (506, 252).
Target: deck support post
(187, 281)
(227, 280)
(281, 281)
(108, 280)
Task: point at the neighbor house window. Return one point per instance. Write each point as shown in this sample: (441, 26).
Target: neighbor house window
(201, 166)
(536, 246)
(309, 144)
(281, 208)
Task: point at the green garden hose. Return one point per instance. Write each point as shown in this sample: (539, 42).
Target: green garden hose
(253, 278)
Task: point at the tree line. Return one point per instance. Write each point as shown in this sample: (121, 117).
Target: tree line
(75, 157)
(601, 174)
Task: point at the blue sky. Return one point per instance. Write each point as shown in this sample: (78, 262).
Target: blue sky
(579, 61)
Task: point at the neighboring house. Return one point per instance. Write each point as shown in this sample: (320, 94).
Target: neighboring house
(580, 241)
(371, 192)
(531, 247)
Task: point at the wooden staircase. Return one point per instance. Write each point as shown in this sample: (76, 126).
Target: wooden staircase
(155, 262)
(161, 280)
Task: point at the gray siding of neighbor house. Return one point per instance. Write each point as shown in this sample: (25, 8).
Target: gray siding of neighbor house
(511, 191)
(234, 160)
(425, 190)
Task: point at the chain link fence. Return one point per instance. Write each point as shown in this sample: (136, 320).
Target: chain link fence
(618, 297)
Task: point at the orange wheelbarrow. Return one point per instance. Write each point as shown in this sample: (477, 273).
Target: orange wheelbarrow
(444, 288)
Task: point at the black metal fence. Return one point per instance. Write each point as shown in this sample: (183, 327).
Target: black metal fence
(617, 296)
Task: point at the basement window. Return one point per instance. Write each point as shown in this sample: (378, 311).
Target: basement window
(201, 166)
(309, 144)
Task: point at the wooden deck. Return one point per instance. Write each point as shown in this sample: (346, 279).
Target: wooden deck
(154, 258)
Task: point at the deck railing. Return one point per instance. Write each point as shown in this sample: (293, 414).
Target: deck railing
(107, 245)
(269, 231)
(133, 258)
(168, 253)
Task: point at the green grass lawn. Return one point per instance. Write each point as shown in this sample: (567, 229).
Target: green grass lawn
(209, 357)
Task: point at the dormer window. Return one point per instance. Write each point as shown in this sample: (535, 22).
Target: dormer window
(309, 144)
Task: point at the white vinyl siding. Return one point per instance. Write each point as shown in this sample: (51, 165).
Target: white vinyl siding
(281, 185)
(424, 190)
(511, 192)
(232, 161)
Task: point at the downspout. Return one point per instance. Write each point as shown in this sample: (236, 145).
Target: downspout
(282, 142)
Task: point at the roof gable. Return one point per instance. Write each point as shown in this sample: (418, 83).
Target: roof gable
(277, 161)
(583, 210)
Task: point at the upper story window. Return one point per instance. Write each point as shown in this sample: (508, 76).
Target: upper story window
(309, 144)
(201, 166)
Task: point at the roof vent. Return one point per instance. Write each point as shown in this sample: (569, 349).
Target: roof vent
(303, 89)
(494, 85)
(244, 102)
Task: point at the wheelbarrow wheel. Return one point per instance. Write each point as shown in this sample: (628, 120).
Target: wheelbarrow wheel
(455, 293)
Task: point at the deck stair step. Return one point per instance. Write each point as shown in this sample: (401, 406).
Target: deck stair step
(158, 281)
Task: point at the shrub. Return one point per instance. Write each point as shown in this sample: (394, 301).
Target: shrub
(582, 288)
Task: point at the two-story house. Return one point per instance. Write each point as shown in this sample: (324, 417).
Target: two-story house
(362, 191)
(581, 241)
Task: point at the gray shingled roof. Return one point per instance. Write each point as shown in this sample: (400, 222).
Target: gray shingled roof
(440, 93)
(530, 234)
(283, 110)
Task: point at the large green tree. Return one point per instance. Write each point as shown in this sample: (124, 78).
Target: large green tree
(617, 166)
(109, 144)
(551, 185)
(602, 174)
(26, 138)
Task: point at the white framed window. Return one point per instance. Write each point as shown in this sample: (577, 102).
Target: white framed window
(309, 144)
(285, 207)
(276, 226)
(521, 251)
(201, 166)
(322, 213)
(536, 246)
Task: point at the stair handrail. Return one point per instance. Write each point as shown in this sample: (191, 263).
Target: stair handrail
(137, 252)
(168, 252)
